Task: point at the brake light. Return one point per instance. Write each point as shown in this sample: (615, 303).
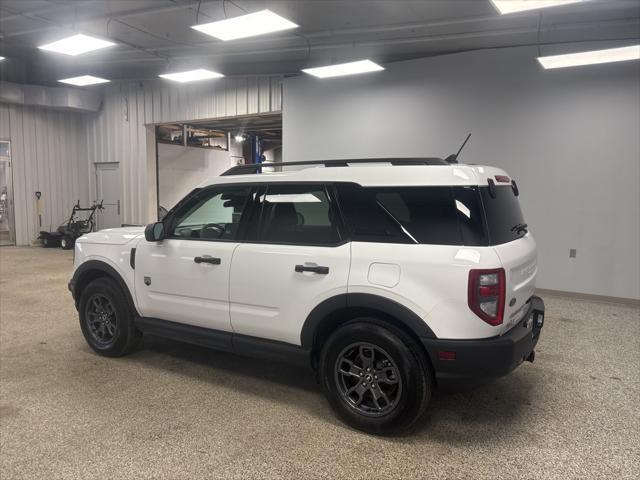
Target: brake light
(487, 294)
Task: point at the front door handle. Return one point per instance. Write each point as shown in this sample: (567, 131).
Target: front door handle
(314, 269)
(207, 259)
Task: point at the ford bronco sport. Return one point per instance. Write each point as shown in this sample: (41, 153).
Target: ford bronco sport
(388, 277)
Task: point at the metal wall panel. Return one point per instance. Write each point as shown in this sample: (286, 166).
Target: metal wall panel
(55, 151)
(49, 154)
(118, 134)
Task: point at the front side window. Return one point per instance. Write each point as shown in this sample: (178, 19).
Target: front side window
(297, 214)
(211, 214)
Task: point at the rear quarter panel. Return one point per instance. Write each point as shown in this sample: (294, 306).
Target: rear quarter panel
(432, 281)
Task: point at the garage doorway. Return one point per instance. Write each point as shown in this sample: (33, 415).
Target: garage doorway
(7, 232)
(187, 153)
(108, 191)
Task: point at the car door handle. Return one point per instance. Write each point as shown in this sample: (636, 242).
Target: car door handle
(314, 269)
(207, 259)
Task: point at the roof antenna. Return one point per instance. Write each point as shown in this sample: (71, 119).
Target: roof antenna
(453, 158)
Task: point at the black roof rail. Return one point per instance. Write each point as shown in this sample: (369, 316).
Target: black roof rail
(257, 167)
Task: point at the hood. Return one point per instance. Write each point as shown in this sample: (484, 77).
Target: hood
(112, 236)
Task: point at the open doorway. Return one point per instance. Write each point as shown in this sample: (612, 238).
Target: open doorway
(187, 153)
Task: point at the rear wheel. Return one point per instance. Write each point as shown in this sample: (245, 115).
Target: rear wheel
(106, 320)
(375, 376)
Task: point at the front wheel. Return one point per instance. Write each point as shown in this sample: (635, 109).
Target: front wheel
(375, 376)
(106, 320)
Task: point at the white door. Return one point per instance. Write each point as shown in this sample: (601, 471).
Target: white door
(108, 191)
(297, 262)
(185, 277)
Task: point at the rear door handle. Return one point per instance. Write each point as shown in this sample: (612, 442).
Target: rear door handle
(314, 269)
(207, 259)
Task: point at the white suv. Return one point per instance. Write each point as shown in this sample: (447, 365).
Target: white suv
(388, 277)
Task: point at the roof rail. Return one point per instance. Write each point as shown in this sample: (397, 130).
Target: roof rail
(257, 167)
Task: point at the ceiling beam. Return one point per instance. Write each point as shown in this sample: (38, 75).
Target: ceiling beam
(420, 39)
(134, 12)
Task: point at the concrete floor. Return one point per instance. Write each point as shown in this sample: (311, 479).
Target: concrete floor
(180, 412)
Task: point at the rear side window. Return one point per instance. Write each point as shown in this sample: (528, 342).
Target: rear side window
(503, 214)
(297, 214)
(426, 215)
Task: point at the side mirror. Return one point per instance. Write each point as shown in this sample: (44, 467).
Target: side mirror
(154, 232)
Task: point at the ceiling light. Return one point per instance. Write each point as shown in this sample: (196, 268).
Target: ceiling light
(250, 25)
(351, 68)
(191, 75)
(1, 58)
(84, 80)
(239, 137)
(590, 58)
(76, 44)
(512, 6)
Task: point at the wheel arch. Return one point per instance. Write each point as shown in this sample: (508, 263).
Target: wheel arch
(92, 270)
(333, 312)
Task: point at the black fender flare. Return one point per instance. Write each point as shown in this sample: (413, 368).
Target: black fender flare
(80, 275)
(362, 300)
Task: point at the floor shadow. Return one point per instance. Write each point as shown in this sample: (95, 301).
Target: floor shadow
(462, 418)
(227, 369)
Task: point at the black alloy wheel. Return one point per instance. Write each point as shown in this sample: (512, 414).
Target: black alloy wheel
(376, 376)
(368, 379)
(107, 319)
(101, 319)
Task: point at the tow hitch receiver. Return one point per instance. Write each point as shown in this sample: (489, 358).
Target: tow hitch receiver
(532, 356)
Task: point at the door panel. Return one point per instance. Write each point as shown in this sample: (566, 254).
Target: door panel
(108, 188)
(298, 263)
(185, 277)
(181, 290)
(269, 299)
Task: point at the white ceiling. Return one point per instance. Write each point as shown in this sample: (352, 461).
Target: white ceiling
(153, 36)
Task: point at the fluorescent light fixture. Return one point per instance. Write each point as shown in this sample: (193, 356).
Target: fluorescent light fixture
(84, 80)
(512, 6)
(239, 137)
(351, 68)
(191, 75)
(591, 58)
(1, 58)
(250, 25)
(76, 45)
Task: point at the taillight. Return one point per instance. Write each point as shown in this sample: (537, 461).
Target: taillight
(487, 294)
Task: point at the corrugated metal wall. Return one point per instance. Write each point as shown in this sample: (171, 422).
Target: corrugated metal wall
(49, 152)
(118, 132)
(55, 151)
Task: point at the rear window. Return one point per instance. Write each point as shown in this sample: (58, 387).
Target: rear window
(426, 215)
(503, 214)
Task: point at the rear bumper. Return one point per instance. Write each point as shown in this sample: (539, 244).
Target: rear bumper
(481, 361)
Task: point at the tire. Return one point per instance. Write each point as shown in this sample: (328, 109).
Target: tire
(407, 383)
(45, 242)
(66, 242)
(106, 320)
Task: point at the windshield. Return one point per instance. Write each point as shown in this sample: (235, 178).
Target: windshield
(504, 217)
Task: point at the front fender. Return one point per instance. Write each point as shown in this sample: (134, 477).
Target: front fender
(87, 271)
